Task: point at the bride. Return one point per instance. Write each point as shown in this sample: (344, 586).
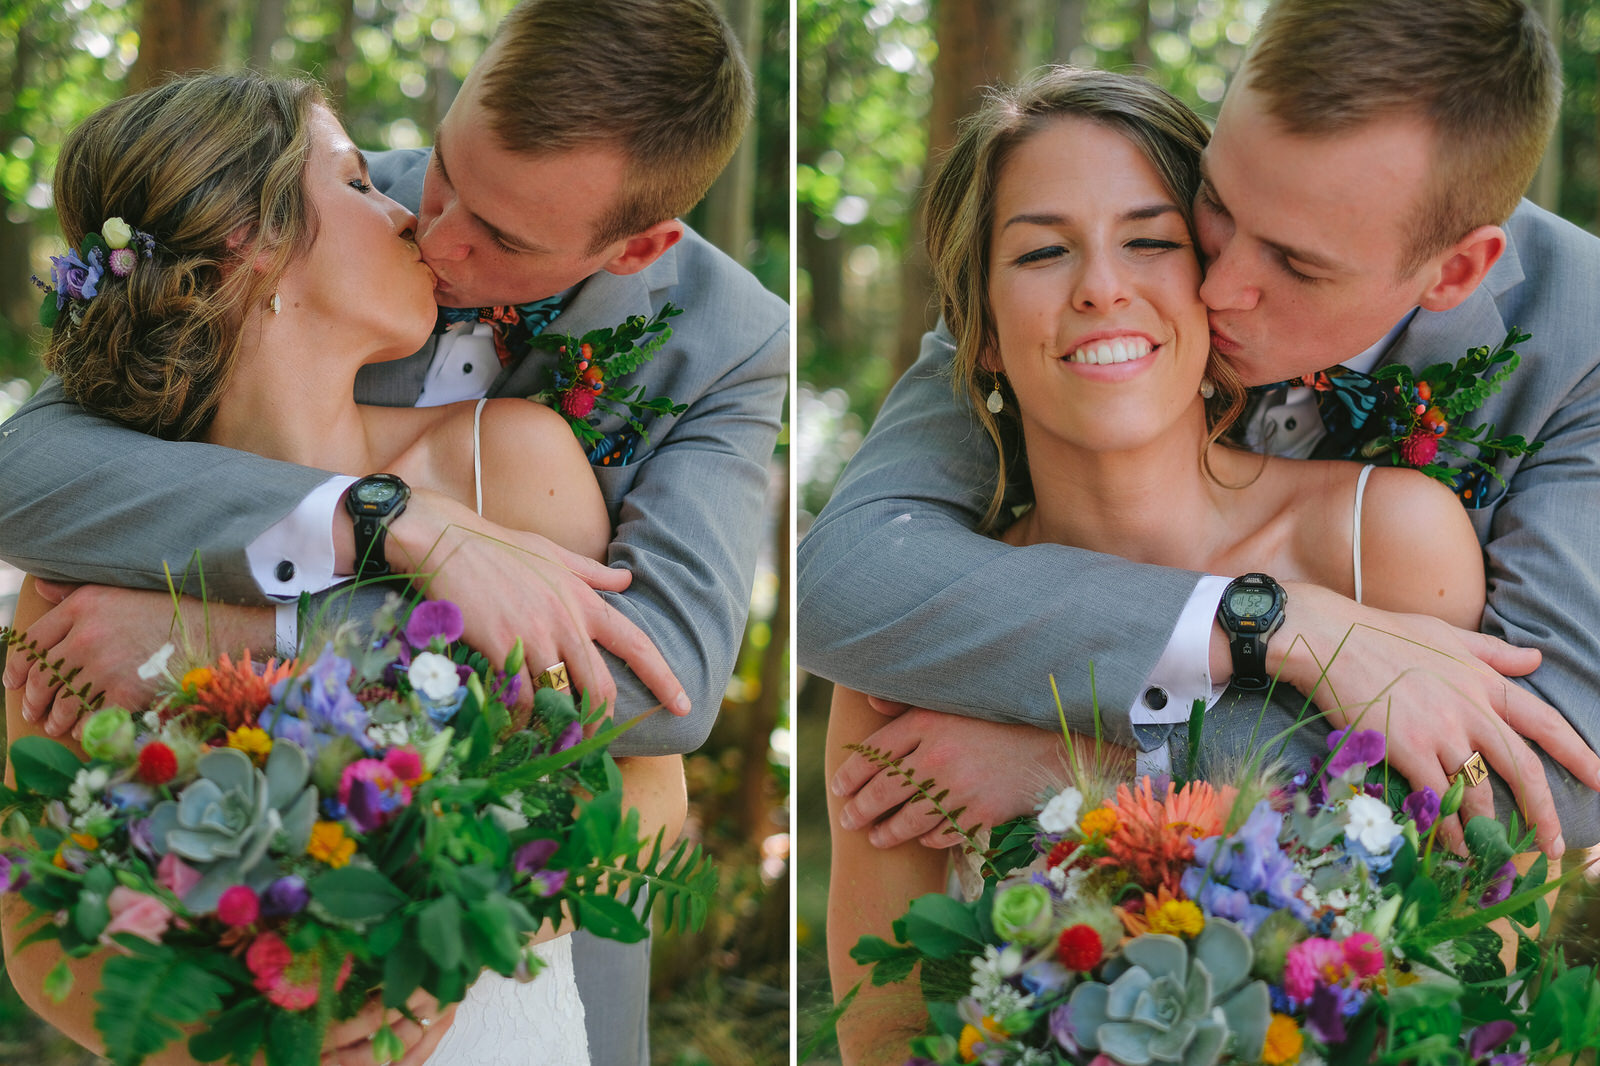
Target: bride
(278, 271)
(1061, 232)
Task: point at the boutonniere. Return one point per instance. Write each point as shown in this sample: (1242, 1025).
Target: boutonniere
(1423, 414)
(588, 372)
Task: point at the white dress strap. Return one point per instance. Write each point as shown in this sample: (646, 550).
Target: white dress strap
(477, 475)
(1355, 533)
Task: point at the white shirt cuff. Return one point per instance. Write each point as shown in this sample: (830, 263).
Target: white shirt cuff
(1183, 673)
(286, 623)
(295, 553)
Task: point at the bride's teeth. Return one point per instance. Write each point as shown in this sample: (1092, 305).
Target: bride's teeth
(1120, 350)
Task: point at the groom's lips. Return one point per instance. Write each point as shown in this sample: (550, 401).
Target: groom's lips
(1224, 344)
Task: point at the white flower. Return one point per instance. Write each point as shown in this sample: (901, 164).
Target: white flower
(1066, 883)
(156, 665)
(86, 787)
(1061, 813)
(117, 234)
(1371, 822)
(434, 676)
(989, 987)
(388, 735)
(1339, 899)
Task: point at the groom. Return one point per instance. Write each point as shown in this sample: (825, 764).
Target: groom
(1360, 205)
(557, 176)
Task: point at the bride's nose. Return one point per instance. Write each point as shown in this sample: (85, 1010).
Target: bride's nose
(1101, 283)
(404, 222)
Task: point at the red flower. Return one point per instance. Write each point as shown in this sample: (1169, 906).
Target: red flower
(1079, 948)
(1420, 448)
(1061, 853)
(291, 981)
(157, 763)
(577, 402)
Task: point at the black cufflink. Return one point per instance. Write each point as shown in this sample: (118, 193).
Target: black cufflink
(285, 570)
(1154, 698)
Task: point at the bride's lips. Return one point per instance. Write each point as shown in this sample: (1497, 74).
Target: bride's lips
(1111, 355)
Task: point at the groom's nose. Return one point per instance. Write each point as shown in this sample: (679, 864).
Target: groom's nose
(1226, 286)
(442, 237)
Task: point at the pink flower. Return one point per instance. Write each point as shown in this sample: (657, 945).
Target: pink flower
(238, 907)
(290, 982)
(173, 874)
(372, 793)
(405, 762)
(1363, 954)
(1309, 962)
(577, 402)
(138, 913)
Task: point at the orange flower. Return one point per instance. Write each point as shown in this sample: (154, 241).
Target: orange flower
(1154, 838)
(1284, 1041)
(329, 844)
(1101, 821)
(235, 693)
(971, 1035)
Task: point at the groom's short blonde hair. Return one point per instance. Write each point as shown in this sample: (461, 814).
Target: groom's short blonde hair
(1483, 73)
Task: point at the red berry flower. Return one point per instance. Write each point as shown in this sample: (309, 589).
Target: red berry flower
(157, 763)
(1079, 948)
(577, 401)
(1061, 853)
(1419, 449)
(238, 907)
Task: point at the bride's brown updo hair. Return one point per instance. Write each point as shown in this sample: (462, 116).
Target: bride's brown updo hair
(211, 166)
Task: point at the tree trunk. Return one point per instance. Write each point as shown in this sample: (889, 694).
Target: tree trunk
(176, 36)
(266, 28)
(980, 43)
(824, 265)
(338, 76)
(762, 717)
(19, 300)
(1068, 30)
(730, 203)
(1546, 188)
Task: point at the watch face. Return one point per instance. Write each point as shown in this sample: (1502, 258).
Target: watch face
(1250, 603)
(375, 491)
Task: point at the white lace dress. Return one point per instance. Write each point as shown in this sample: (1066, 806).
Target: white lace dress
(514, 1023)
(503, 1022)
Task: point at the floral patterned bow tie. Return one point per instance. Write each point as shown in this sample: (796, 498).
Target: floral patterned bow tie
(513, 325)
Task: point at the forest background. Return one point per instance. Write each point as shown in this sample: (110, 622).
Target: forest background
(391, 68)
(880, 85)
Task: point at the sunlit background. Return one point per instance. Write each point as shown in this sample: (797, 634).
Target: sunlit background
(392, 67)
(881, 83)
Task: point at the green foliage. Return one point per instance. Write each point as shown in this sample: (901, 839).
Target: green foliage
(147, 995)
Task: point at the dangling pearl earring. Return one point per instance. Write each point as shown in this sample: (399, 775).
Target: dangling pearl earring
(995, 403)
(275, 303)
(1207, 390)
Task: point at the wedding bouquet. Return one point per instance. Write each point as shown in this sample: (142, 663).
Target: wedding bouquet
(263, 846)
(1319, 921)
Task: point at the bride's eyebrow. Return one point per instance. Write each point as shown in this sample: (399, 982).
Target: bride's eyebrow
(1137, 214)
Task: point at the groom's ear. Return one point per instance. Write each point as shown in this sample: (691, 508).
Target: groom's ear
(1460, 268)
(644, 247)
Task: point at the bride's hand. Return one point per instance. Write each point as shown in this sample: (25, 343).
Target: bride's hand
(1438, 693)
(349, 1043)
(102, 635)
(513, 584)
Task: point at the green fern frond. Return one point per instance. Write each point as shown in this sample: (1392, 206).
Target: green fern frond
(924, 789)
(19, 641)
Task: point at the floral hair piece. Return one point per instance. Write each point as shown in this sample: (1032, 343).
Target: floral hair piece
(76, 276)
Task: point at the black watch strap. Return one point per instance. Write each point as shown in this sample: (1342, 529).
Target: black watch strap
(373, 502)
(1249, 661)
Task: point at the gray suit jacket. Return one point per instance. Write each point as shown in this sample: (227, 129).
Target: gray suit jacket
(90, 500)
(898, 596)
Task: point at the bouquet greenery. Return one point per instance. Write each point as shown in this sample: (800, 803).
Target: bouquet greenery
(1316, 920)
(263, 846)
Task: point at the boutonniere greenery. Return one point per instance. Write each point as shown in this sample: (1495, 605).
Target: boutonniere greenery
(1424, 414)
(588, 372)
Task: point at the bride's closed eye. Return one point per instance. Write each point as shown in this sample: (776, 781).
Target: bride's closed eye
(1039, 255)
(359, 185)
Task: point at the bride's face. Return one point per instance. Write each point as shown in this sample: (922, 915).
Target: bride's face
(1093, 285)
(363, 273)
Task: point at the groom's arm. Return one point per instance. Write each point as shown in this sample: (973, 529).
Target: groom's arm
(88, 500)
(900, 598)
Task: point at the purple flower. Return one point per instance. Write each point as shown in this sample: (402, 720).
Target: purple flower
(532, 856)
(547, 883)
(1330, 1006)
(285, 896)
(1061, 1030)
(434, 618)
(1488, 1036)
(1364, 746)
(1499, 886)
(75, 278)
(1422, 808)
(316, 704)
(13, 873)
(570, 736)
(122, 261)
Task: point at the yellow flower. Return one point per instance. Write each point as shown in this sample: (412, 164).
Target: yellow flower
(1284, 1041)
(252, 741)
(85, 841)
(329, 844)
(1177, 917)
(196, 679)
(971, 1035)
(1099, 822)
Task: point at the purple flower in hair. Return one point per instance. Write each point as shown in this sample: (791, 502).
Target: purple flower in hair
(73, 277)
(122, 261)
(1363, 746)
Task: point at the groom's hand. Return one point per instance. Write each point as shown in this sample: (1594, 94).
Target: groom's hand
(101, 636)
(1438, 693)
(997, 771)
(512, 584)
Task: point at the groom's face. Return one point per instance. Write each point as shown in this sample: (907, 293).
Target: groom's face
(1303, 237)
(503, 227)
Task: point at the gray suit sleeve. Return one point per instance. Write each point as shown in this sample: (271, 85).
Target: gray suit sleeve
(86, 499)
(690, 530)
(899, 597)
(1543, 556)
